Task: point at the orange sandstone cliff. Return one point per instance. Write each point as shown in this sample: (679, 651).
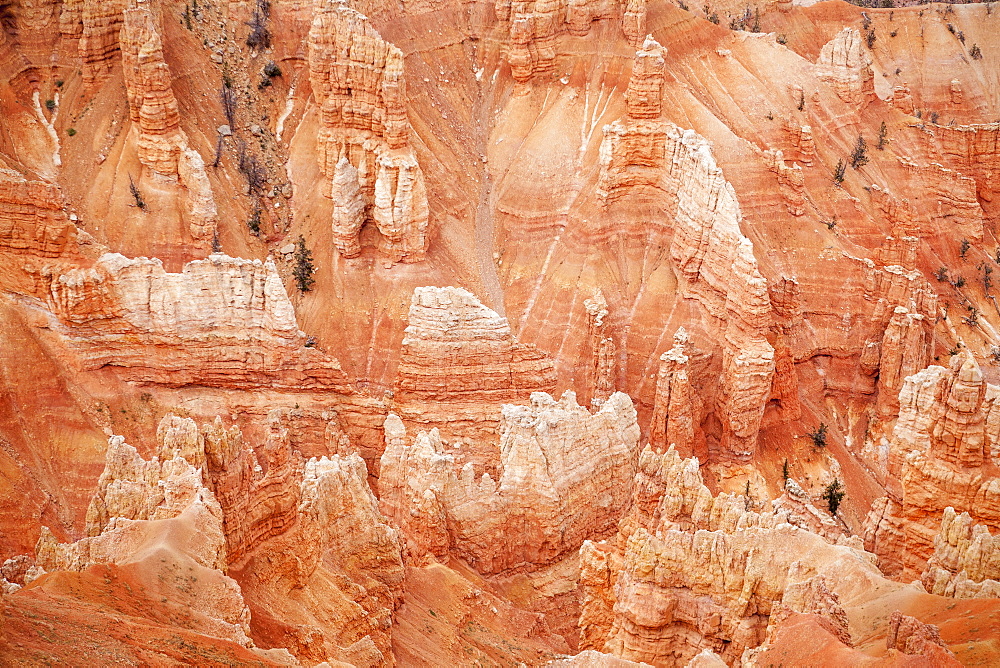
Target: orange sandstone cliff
(583, 333)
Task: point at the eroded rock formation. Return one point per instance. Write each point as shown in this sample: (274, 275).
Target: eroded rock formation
(941, 454)
(673, 421)
(222, 321)
(32, 218)
(713, 260)
(966, 559)
(162, 145)
(564, 476)
(160, 517)
(357, 79)
(456, 349)
(845, 63)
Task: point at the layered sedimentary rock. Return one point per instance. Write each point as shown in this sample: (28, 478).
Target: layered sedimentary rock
(357, 80)
(714, 262)
(304, 539)
(973, 151)
(966, 559)
(162, 145)
(98, 29)
(222, 321)
(786, 297)
(845, 63)
(902, 99)
(645, 85)
(904, 307)
(642, 598)
(802, 146)
(791, 181)
(532, 27)
(348, 208)
(456, 349)
(674, 411)
(665, 609)
(152, 105)
(669, 492)
(634, 22)
(911, 636)
(564, 476)
(258, 503)
(160, 518)
(603, 351)
(32, 218)
(941, 453)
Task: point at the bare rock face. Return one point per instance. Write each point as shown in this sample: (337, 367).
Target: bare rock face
(791, 181)
(902, 99)
(564, 476)
(646, 83)
(159, 517)
(32, 219)
(972, 151)
(258, 503)
(942, 455)
(845, 63)
(131, 314)
(162, 145)
(152, 105)
(357, 79)
(966, 559)
(665, 609)
(603, 351)
(642, 602)
(713, 260)
(911, 636)
(532, 28)
(904, 307)
(634, 22)
(304, 539)
(456, 349)
(97, 23)
(673, 421)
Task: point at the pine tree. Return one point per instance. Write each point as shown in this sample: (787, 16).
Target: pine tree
(839, 172)
(859, 157)
(784, 471)
(819, 436)
(834, 494)
(304, 268)
(883, 135)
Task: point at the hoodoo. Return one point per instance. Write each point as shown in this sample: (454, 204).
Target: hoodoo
(529, 332)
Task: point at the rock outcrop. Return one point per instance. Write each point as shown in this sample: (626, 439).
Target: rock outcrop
(673, 421)
(644, 601)
(456, 349)
(911, 636)
(32, 218)
(966, 559)
(665, 610)
(98, 26)
(845, 63)
(533, 27)
(714, 262)
(160, 517)
(603, 351)
(791, 182)
(162, 146)
(357, 80)
(304, 539)
(941, 453)
(564, 476)
(222, 322)
(258, 503)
